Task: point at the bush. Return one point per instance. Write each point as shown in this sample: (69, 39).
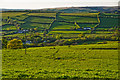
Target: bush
(15, 44)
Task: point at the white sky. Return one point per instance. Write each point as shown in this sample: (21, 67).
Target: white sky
(39, 4)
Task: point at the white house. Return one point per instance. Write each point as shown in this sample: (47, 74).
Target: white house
(87, 28)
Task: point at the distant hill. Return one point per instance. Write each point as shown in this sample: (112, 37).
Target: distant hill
(73, 9)
(83, 9)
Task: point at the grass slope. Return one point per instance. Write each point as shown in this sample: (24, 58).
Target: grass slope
(61, 62)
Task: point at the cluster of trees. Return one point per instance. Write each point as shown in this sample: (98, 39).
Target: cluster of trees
(53, 40)
(15, 44)
(85, 39)
(12, 44)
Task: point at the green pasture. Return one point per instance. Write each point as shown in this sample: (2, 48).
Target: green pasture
(61, 62)
(62, 25)
(80, 14)
(78, 19)
(35, 25)
(8, 27)
(68, 32)
(39, 20)
(65, 35)
(86, 25)
(12, 14)
(42, 14)
(22, 17)
(3, 23)
(108, 22)
(104, 32)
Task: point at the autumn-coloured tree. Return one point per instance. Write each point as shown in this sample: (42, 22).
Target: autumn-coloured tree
(15, 44)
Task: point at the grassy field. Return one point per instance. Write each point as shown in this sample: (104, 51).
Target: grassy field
(80, 14)
(68, 32)
(8, 27)
(77, 61)
(35, 25)
(108, 22)
(87, 25)
(62, 25)
(78, 19)
(12, 14)
(104, 32)
(40, 20)
(22, 17)
(42, 14)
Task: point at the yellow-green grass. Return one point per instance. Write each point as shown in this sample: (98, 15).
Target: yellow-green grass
(62, 25)
(35, 25)
(108, 22)
(78, 19)
(102, 28)
(68, 32)
(112, 14)
(22, 17)
(80, 14)
(8, 27)
(40, 20)
(82, 25)
(22, 34)
(43, 14)
(12, 14)
(68, 35)
(61, 62)
(104, 32)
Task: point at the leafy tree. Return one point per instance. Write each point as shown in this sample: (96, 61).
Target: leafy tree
(15, 44)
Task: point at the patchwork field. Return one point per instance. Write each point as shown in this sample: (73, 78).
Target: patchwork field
(60, 45)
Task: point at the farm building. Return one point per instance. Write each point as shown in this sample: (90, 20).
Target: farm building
(27, 42)
(87, 28)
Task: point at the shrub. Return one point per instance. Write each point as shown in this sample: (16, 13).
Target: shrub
(15, 44)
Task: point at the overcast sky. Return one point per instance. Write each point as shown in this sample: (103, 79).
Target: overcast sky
(39, 4)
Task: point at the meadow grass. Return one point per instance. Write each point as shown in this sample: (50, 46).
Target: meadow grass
(8, 27)
(78, 19)
(22, 17)
(61, 62)
(87, 25)
(108, 22)
(35, 25)
(40, 20)
(81, 14)
(62, 25)
(43, 14)
(12, 14)
(70, 32)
